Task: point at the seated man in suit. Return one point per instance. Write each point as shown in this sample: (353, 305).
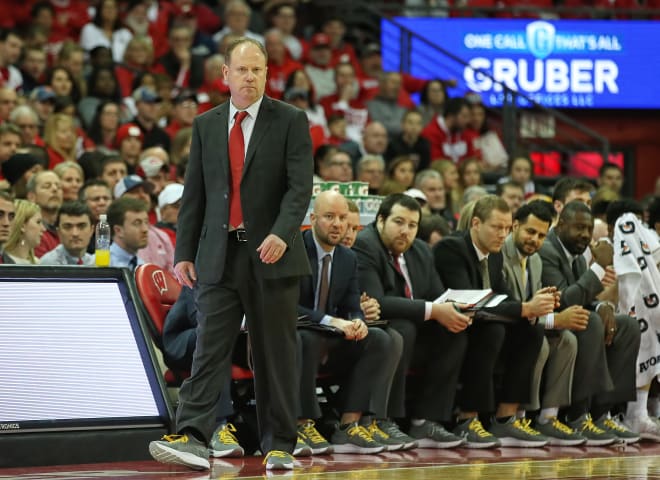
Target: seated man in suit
(473, 260)
(522, 272)
(331, 297)
(396, 269)
(607, 350)
(179, 338)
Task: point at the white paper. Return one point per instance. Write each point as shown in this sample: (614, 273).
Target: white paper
(469, 297)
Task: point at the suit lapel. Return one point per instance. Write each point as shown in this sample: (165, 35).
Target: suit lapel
(264, 118)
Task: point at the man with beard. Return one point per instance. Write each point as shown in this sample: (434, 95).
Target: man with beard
(45, 189)
(522, 271)
(331, 297)
(397, 270)
(74, 227)
(605, 365)
(129, 227)
(509, 331)
(446, 133)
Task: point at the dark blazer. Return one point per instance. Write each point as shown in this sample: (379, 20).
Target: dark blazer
(557, 271)
(172, 65)
(458, 266)
(380, 279)
(180, 331)
(344, 291)
(276, 188)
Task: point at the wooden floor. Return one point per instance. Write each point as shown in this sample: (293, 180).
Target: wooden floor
(636, 462)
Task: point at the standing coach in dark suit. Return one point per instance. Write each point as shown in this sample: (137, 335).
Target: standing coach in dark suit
(247, 189)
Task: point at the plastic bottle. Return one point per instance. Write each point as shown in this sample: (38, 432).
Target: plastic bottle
(103, 242)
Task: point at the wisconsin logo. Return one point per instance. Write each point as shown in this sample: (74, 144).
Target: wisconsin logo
(627, 227)
(645, 247)
(651, 301)
(642, 263)
(625, 249)
(540, 39)
(158, 278)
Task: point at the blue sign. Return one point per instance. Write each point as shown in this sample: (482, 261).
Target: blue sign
(560, 64)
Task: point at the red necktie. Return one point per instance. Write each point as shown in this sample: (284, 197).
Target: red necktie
(236, 160)
(79, 262)
(397, 265)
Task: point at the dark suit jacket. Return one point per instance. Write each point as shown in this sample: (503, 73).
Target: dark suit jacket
(380, 279)
(172, 65)
(557, 271)
(344, 292)
(458, 266)
(275, 190)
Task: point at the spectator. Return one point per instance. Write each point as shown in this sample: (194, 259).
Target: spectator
(374, 139)
(337, 167)
(113, 169)
(7, 215)
(11, 45)
(178, 63)
(342, 51)
(402, 171)
(610, 175)
(319, 66)
(25, 234)
(409, 142)
(10, 141)
(72, 57)
(237, 19)
(129, 144)
(353, 224)
(104, 125)
(154, 167)
(26, 119)
(283, 19)
(147, 103)
(521, 171)
(384, 107)
(180, 147)
(485, 142)
(371, 169)
(299, 81)
(432, 100)
(469, 175)
(60, 137)
(102, 87)
(512, 193)
(169, 202)
(348, 101)
(97, 196)
(185, 106)
(138, 58)
(449, 173)
(44, 189)
(63, 84)
(430, 182)
(432, 229)
(8, 101)
(33, 68)
(42, 101)
(106, 30)
(446, 133)
(159, 250)
(129, 224)
(280, 65)
(568, 189)
(74, 228)
(18, 170)
(71, 178)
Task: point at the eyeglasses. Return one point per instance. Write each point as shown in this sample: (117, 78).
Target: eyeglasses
(26, 126)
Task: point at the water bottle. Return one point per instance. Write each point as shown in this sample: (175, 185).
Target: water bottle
(103, 242)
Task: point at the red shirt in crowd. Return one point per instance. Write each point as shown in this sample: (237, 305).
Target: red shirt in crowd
(455, 146)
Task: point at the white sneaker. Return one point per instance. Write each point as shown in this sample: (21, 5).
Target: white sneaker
(646, 427)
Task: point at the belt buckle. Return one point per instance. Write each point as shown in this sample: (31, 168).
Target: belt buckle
(241, 235)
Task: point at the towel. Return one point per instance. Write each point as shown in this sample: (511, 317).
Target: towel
(635, 251)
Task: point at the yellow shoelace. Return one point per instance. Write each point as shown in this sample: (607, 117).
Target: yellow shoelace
(562, 427)
(176, 438)
(589, 425)
(478, 428)
(226, 435)
(375, 431)
(278, 454)
(612, 425)
(310, 431)
(361, 432)
(526, 426)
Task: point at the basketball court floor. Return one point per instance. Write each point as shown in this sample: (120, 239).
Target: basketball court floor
(635, 462)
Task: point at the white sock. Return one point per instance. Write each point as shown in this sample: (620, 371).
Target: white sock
(638, 408)
(417, 422)
(546, 414)
(520, 414)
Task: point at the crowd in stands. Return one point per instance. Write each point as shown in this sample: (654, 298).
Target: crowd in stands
(97, 102)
